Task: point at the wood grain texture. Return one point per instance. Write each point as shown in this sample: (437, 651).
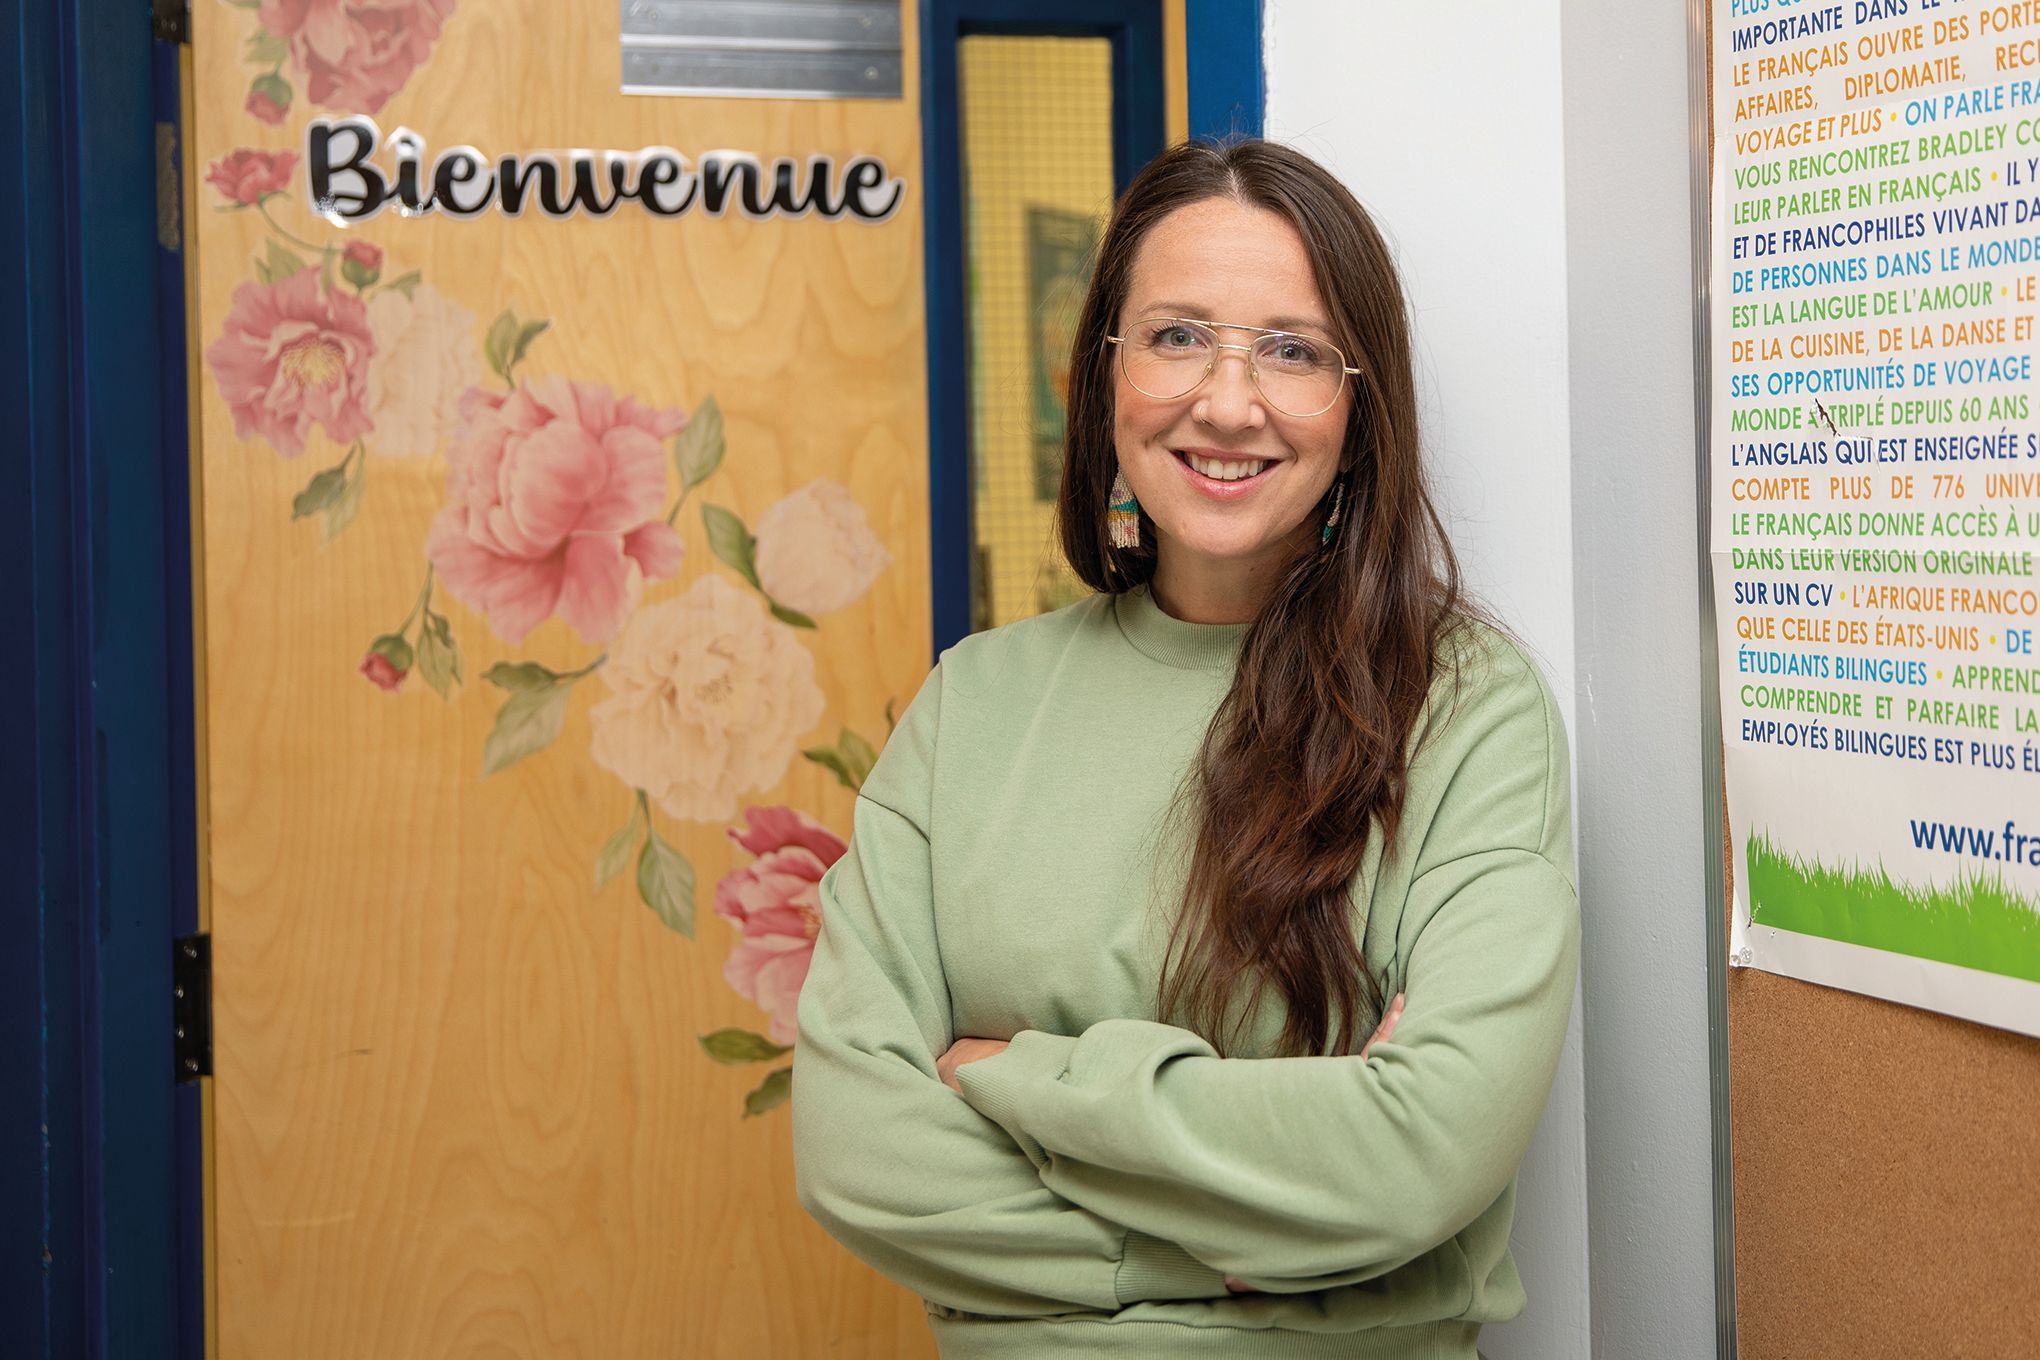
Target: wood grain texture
(1886, 1168)
(460, 1109)
(194, 409)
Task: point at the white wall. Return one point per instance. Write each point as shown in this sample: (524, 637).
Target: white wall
(1643, 838)
(1527, 157)
(1448, 127)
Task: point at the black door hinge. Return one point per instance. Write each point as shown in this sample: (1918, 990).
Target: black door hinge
(191, 1006)
(171, 20)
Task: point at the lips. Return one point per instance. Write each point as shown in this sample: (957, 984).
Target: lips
(1223, 478)
(1220, 465)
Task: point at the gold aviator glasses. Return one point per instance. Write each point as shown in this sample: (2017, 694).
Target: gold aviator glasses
(1167, 357)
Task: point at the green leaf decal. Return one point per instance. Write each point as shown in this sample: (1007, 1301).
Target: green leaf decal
(407, 284)
(265, 48)
(277, 263)
(730, 541)
(438, 655)
(341, 512)
(734, 1046)
(857, 754)
(519, 676)
(530, 332)
(698, 449)
(665, 880)
(828, 759)
(319, 493)
(771, 1093)
(502, 338)
(438, 623)
(850, 759)
(527, 723)
(615, 853)
(790, 616)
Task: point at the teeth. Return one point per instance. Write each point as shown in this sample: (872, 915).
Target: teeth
(1224, 472)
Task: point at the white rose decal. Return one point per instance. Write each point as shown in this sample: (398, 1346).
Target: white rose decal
(816, 552)
(708, 701)
(425, 357)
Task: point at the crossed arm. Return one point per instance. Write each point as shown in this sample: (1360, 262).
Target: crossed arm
(899, 1169)
(1088, 1172)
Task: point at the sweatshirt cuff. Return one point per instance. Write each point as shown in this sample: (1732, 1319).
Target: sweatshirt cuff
(1156, 1268)
(1001, 1087)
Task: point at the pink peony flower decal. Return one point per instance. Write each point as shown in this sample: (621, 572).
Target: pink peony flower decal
(775, 903)
(555, 491)
(292, 356)
(247, 176)
(262, 102)
(355, 54)
(381, 673)
(361, 263)
(388, 661)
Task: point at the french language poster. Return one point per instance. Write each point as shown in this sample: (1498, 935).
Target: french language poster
(1875, 473)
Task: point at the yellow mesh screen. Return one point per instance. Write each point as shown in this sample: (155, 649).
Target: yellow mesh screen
(1037, 153)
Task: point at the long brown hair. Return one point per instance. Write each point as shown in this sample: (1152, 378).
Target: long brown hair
(1307, 756)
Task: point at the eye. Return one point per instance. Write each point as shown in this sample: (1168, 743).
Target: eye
(1293, 351)
(1173, 337)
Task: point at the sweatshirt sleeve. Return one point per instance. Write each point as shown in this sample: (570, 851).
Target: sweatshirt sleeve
(895, 1165)
(1334, 1170)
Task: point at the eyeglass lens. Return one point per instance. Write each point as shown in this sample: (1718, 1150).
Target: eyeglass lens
(1167, 357)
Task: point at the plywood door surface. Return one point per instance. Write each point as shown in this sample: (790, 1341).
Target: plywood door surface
(463, 1105)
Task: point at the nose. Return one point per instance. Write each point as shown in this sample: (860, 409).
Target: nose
(1230, 400)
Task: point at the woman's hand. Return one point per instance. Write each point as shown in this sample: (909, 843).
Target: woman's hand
(1382, 1033)
(1386, 1028)
(963, 1051)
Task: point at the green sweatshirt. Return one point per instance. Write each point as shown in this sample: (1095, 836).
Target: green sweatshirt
(1012, 874)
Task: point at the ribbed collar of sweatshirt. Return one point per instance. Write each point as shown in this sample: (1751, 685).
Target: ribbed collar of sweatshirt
(1170, 640)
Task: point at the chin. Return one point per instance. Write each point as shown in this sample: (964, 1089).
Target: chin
(1216, 543)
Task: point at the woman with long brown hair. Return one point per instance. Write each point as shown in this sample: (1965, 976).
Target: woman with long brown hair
(1198, 970)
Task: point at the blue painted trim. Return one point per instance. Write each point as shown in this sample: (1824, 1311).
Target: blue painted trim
(41, 1186)
(90, 822)
(1222, 51)
(1134, 28)
(179, 676)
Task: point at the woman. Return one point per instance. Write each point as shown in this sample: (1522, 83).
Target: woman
(1081, 1053)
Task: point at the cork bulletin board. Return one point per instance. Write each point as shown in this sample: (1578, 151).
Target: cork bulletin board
(1885, 1159)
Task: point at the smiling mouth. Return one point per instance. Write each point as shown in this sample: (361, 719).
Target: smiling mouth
(1226, 470)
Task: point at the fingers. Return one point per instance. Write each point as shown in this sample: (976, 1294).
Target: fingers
(1384, 1030)
(965, 1050)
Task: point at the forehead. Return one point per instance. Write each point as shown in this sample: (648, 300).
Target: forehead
(1226, 261)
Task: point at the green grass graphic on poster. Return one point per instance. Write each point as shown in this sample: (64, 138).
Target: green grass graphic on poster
(1977, 922)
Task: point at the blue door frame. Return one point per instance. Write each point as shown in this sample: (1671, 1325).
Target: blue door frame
(1226, 96)
(99, 1184)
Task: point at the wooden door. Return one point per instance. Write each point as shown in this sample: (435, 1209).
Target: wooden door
(558, 577)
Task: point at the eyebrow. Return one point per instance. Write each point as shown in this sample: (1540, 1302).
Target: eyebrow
(1192, 311)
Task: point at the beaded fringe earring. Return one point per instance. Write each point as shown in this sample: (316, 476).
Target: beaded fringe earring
(1332, 520)
(1122, 515)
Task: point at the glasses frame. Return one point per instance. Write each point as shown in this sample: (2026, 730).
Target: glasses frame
(1253, 369)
